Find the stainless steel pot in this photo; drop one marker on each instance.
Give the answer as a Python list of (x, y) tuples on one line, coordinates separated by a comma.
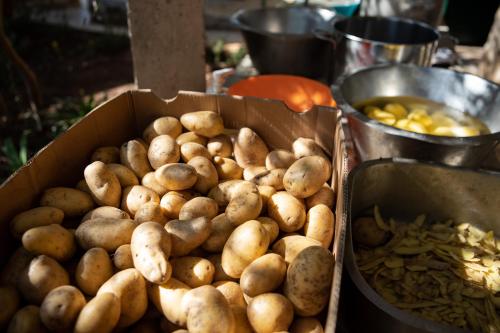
[(404, 189), (365, 41), (466, 92)]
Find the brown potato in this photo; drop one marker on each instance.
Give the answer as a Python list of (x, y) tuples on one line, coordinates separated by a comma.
[(206, 173), (167, 298), (35, 217), (271, 227), (163, 150), (288, 211), (9, 298), (206, 123), (306, 325), (99, 315), (290, 246), (122, 259), (192, 149), (149, 180), (220, 145), (279, 159), (83, 186), (266, 192), (150, 247), (219, 275), (325, 196), (163, 125), (263, 275), (106, 212), (105, 232), (52, 240), (241, 319), (244, 204), (232, 292), (191, 137), (306, 176), (176, 176), (41, 276), (93, 269), (150, 212), (71, 201), (308, 280), (193, 271), (252, 171), (27, 320), (320, 224), (15, 266), (303, 147), (227, 168), (125, 175), (198, 207), (60, 308), (136, 196), (221, 230), (249, 149), (103, 184), (187, 234), (365, 231), (171, 204), (268, 313), (108, 154), (134, 155), (272, 178)]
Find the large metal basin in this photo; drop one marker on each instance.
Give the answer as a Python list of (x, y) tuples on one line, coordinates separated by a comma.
[(465, 92), (405, 189)]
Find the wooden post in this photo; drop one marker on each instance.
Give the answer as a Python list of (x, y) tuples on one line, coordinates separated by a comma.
[(168, 46)]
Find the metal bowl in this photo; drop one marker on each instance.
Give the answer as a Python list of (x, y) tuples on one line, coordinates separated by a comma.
[(282, 40), (405, 189), (466, 92)]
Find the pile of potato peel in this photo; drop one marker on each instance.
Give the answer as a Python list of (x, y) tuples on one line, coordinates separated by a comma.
[(191, 228)]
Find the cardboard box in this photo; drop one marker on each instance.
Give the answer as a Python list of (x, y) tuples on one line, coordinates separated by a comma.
[(61, 163)]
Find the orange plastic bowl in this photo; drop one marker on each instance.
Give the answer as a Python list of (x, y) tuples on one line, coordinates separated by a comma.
[(298, 93)]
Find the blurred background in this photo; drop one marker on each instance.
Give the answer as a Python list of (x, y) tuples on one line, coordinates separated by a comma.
[(61, 58)]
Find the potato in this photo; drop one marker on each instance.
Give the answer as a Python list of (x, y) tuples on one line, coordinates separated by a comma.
[(252, 171), (191, 137), (61, 307), (35, 217), (167, 298), (365, 231), (220, 145), (232, 292), (271, 227), (244, 204), (198, 207), (248, 242), (27, 320), (249, 149), (288, 211), (163, 125), (268, 313), (150, 212), (320, 224), (306, 325), (193, 271), (105, 232), (187, 234), (290, 246), (41, 276), (99, 315), (134, 155), (71, 201), (93, 269), (125, 175), (324, 196), (52, 240), (206, 173), (192, 149), (221, 230), (306, 176), (176, 176), (241, 320), (149, 180), (150, 247), (171, 204), (108, 154), (266, 192), (227, 168), (103, 184), (105, 212), (219, 274), (163, 150), (308, 280), (130, 287), (206, 123), (263, 275), (279, 159), (122, 259), (136, 196), (272, 178), (9, 298), (15, 266), (83, 186), (303, 147), (207, 311)]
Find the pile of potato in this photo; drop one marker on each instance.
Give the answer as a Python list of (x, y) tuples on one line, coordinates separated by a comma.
[(217, 232)]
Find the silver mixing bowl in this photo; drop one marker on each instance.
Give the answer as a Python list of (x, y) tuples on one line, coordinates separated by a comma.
[(465, 92)]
